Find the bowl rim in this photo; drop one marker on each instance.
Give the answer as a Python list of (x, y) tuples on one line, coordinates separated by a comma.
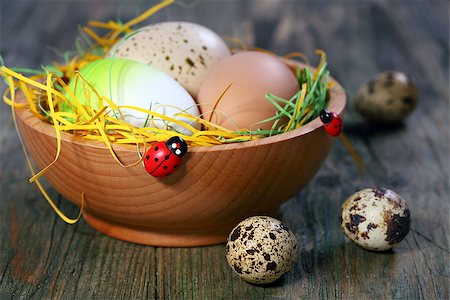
[(336, 104)]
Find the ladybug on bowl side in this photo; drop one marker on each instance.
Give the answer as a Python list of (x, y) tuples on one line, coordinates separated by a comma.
[(163, 158)]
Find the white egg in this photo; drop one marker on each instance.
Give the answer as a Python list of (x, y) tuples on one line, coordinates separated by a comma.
[(130, 83), (185, 51)]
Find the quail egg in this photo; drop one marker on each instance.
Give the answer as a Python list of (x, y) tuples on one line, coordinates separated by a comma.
[(261, 249), (375, 218), (389, 97)]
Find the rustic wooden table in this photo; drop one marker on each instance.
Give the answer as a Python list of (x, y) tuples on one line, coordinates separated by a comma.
[(42, 257)]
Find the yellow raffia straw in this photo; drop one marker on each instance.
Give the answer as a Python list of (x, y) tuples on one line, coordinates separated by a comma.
[(30, 166), (28, 95), (242, 46), (218, 100), (306, 114), (323, 59), (55, 124), (297, 54), (110, 25), (159, 116), (262, 50), (299, 105), (11, 103), (96, 38), (142, 17), (353, 153), (25, 79), (237, 41)]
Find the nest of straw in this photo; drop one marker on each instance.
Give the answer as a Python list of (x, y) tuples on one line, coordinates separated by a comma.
[(47, 90)]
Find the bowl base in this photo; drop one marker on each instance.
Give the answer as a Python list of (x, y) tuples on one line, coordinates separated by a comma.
[(159, 237)]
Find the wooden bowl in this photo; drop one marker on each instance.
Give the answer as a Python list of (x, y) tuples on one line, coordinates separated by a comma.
[(214, 189)]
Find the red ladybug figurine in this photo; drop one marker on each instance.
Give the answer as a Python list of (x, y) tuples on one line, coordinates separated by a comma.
[(331, 122), (163, 158)]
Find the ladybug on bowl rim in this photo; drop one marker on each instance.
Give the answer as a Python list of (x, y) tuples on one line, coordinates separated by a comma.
[(163, 158), (332, 122)]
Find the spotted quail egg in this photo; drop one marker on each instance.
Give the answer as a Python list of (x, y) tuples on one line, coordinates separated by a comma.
[(375, 218), (389, 97), (261, 249)]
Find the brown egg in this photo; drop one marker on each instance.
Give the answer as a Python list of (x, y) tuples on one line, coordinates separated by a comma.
[(252, 75)]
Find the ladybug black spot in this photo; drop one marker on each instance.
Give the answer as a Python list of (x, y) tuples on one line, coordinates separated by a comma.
[(147, 157), (176, 166), (167, 157), (156, 159), (156, 148), (165, 167)]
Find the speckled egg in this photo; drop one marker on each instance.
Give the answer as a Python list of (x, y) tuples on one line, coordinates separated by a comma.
[(261, 249), (375, 218), (389, 97), (185, 51)]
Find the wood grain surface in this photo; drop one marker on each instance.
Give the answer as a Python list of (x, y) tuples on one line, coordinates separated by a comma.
[(43, 258)]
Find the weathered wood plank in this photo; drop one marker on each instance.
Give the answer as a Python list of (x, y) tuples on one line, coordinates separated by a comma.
[(41, 257)]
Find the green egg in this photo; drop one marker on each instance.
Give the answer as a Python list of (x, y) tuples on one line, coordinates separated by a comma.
[(129, 83)]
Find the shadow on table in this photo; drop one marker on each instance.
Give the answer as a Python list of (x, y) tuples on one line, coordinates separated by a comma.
[(365, 129)]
